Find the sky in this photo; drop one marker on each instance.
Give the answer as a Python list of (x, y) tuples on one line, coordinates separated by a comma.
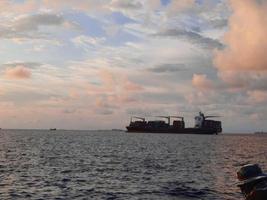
[(91, 64)]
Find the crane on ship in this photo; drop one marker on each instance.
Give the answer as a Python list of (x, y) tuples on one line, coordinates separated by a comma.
[(169, 118), (178, 117), (135, 117)]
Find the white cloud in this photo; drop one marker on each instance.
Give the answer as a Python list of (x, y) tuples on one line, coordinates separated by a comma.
[(87, 42), (29, 26)]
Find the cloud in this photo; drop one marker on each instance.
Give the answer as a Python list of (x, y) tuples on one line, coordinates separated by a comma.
[(69, 111), (117, 83), (146, 111), (7, 6), (28, 26), (126, 4), (257, 96), (87, 42), (192, 37), (174, 7), (201, 82), (18, 72), (25, 64), (236, 80), (33, 22), (153, 4), (246, 39), (167, 68), (259, 116), (118, 66), (132, 87), (112, 90), (160, 97), (81, 5), (243, 63), (218, 23)]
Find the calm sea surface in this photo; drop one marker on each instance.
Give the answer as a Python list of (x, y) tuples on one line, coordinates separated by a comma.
[(59, 164)]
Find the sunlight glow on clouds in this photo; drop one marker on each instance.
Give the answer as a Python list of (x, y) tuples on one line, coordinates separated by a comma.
[(18, 72), (243, 62), (201, 82), (90, 64)]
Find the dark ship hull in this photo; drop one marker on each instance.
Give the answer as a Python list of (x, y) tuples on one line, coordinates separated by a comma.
[(202, 131)]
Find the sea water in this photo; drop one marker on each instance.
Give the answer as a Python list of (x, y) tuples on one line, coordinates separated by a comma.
[(40, 164)]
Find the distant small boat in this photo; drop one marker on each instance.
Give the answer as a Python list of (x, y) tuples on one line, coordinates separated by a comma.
[(52, 129)]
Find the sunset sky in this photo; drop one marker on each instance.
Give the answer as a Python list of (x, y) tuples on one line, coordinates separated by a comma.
[(91, 64)]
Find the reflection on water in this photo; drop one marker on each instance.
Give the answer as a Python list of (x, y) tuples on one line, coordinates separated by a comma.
[(115, 165)]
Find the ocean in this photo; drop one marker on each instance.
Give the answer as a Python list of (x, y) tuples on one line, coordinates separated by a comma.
[(42, 164)]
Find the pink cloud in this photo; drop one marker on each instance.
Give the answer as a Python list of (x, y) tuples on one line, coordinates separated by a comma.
[(116, 81), (74, 94), (175, 7), (201, 82), (18, 72), (130, 86), (25, 7), (246, 39), (115, 89), (153, 4), (242, 65), (257, 96), (108, 79)]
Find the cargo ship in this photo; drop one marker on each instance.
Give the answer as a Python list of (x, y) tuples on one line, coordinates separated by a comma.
[(203, 125)]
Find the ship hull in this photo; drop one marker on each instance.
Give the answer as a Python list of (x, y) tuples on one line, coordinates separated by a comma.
[(201, 131)]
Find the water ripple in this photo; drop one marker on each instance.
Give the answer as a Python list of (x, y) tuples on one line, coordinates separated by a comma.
[(37, 164)]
